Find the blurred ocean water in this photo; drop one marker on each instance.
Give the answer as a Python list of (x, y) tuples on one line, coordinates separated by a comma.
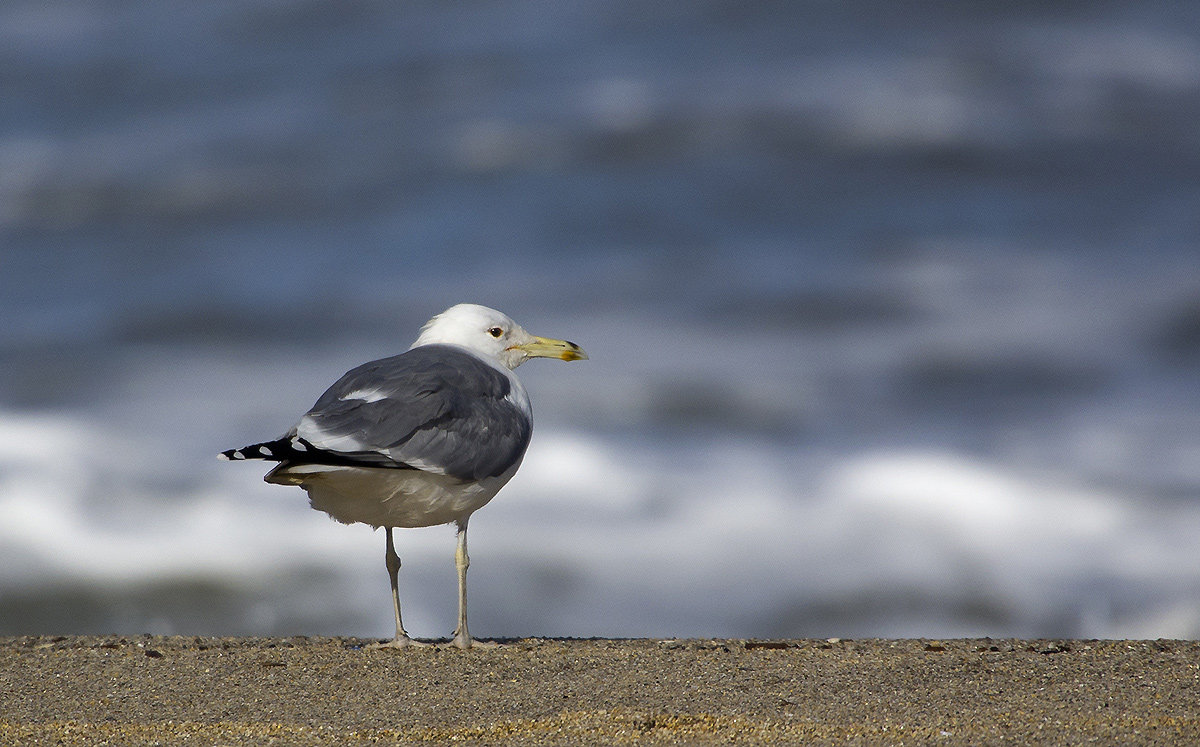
[(893, 310)]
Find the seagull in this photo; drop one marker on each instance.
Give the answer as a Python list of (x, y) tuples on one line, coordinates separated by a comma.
[(419, 439)]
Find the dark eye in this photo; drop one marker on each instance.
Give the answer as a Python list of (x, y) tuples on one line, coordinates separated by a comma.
[(495, 332)]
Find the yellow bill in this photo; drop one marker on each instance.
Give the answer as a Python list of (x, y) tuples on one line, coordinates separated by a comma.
[(545, 347)]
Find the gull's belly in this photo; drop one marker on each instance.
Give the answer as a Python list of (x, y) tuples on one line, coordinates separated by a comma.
[(385, 497)]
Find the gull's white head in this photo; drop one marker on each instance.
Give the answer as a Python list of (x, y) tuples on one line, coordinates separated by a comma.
[(493, 336)]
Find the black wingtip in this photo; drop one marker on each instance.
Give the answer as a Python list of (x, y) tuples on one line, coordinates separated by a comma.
[(296, 450), (273, 450)]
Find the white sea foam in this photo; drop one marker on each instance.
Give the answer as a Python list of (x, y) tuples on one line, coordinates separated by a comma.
[(596, 537)]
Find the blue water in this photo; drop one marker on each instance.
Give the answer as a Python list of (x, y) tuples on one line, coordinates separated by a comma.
[(893, 310)]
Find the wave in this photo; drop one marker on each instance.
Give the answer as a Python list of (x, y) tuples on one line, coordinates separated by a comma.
[(596, 537)]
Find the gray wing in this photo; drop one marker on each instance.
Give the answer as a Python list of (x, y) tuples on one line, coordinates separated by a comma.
[(435, 408)]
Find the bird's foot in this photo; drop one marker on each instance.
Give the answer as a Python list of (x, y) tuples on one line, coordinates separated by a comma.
[(399, 642), (466, 641)]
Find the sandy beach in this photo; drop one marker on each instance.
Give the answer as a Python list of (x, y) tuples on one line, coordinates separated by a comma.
[(329, 691)]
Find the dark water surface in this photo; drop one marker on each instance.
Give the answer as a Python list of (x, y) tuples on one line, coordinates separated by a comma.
[(893, 310)]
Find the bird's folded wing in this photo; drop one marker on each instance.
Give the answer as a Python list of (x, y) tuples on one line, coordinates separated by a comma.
[(434, 408)]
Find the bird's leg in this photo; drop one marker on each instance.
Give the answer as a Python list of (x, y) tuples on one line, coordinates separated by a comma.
[(393, 565), (462, 637)]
